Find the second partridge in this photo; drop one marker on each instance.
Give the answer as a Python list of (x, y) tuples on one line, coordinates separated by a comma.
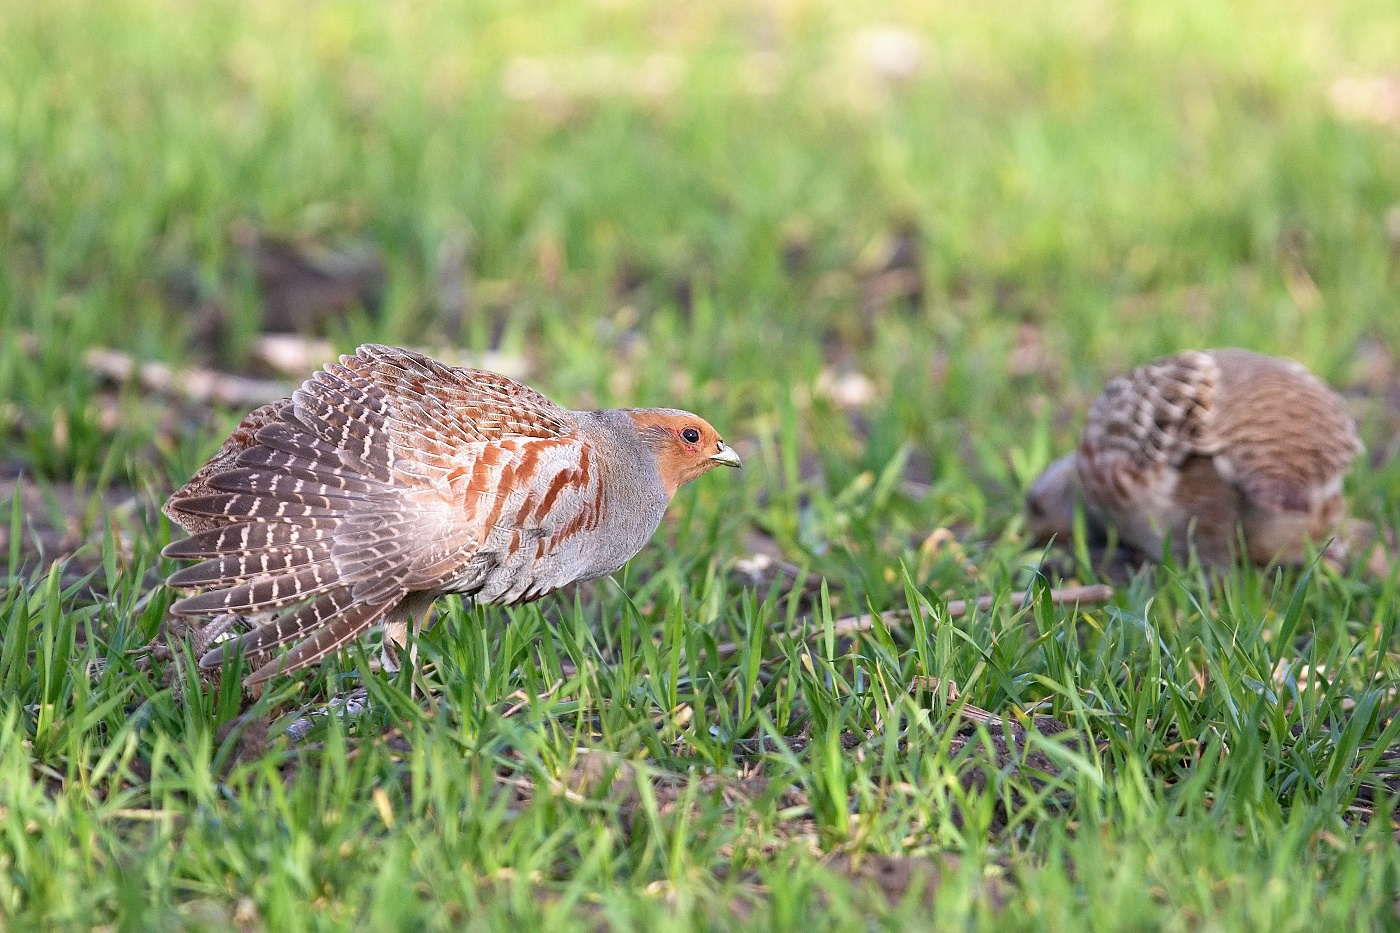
[(1207, 447)]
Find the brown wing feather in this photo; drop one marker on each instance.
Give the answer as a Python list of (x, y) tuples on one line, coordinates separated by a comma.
[(328, 636), (1146, 423), (238, 441), (337, 612), (454, 405)]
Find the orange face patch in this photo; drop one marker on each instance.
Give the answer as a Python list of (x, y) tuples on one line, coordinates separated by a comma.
[(685, 445)]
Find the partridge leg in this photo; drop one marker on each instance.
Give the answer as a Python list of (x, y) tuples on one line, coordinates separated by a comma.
[(202, 637), (208, 635), (414, 611)]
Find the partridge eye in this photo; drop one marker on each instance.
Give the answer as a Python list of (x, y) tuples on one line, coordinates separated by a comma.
[(690, 436)]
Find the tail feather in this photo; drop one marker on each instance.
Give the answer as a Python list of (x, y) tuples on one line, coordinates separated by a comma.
[(264, 593), (248, 537), (326, 641), (282, 629), (241, 506), (246, 566), (288, 485), (332, 625)]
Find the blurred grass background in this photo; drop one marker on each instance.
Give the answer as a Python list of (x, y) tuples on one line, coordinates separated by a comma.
[(658, 202), (867, 241)]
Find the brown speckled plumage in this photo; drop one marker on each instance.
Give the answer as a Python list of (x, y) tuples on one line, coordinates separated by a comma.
[(390, 479), (1203, 446)]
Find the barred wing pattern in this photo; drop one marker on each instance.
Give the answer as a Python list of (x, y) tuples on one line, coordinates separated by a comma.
[(385, 475), (1145, 424), (225, 459)]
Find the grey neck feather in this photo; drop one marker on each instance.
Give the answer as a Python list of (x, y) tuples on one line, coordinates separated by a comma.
[(634, 498)]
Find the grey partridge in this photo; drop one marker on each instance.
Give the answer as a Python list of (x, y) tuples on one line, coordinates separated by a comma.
[(390, 479), (1207, 447)]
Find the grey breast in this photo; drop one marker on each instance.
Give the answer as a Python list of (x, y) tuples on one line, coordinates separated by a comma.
[(633, 497)]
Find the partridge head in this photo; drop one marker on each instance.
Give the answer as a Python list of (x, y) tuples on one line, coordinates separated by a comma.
[(1207, 448), (389, 479)]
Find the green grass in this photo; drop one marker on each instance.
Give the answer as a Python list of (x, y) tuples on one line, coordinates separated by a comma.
[(697, 205)]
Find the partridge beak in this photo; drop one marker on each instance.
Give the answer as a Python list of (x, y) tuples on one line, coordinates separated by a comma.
[(726, 456)]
